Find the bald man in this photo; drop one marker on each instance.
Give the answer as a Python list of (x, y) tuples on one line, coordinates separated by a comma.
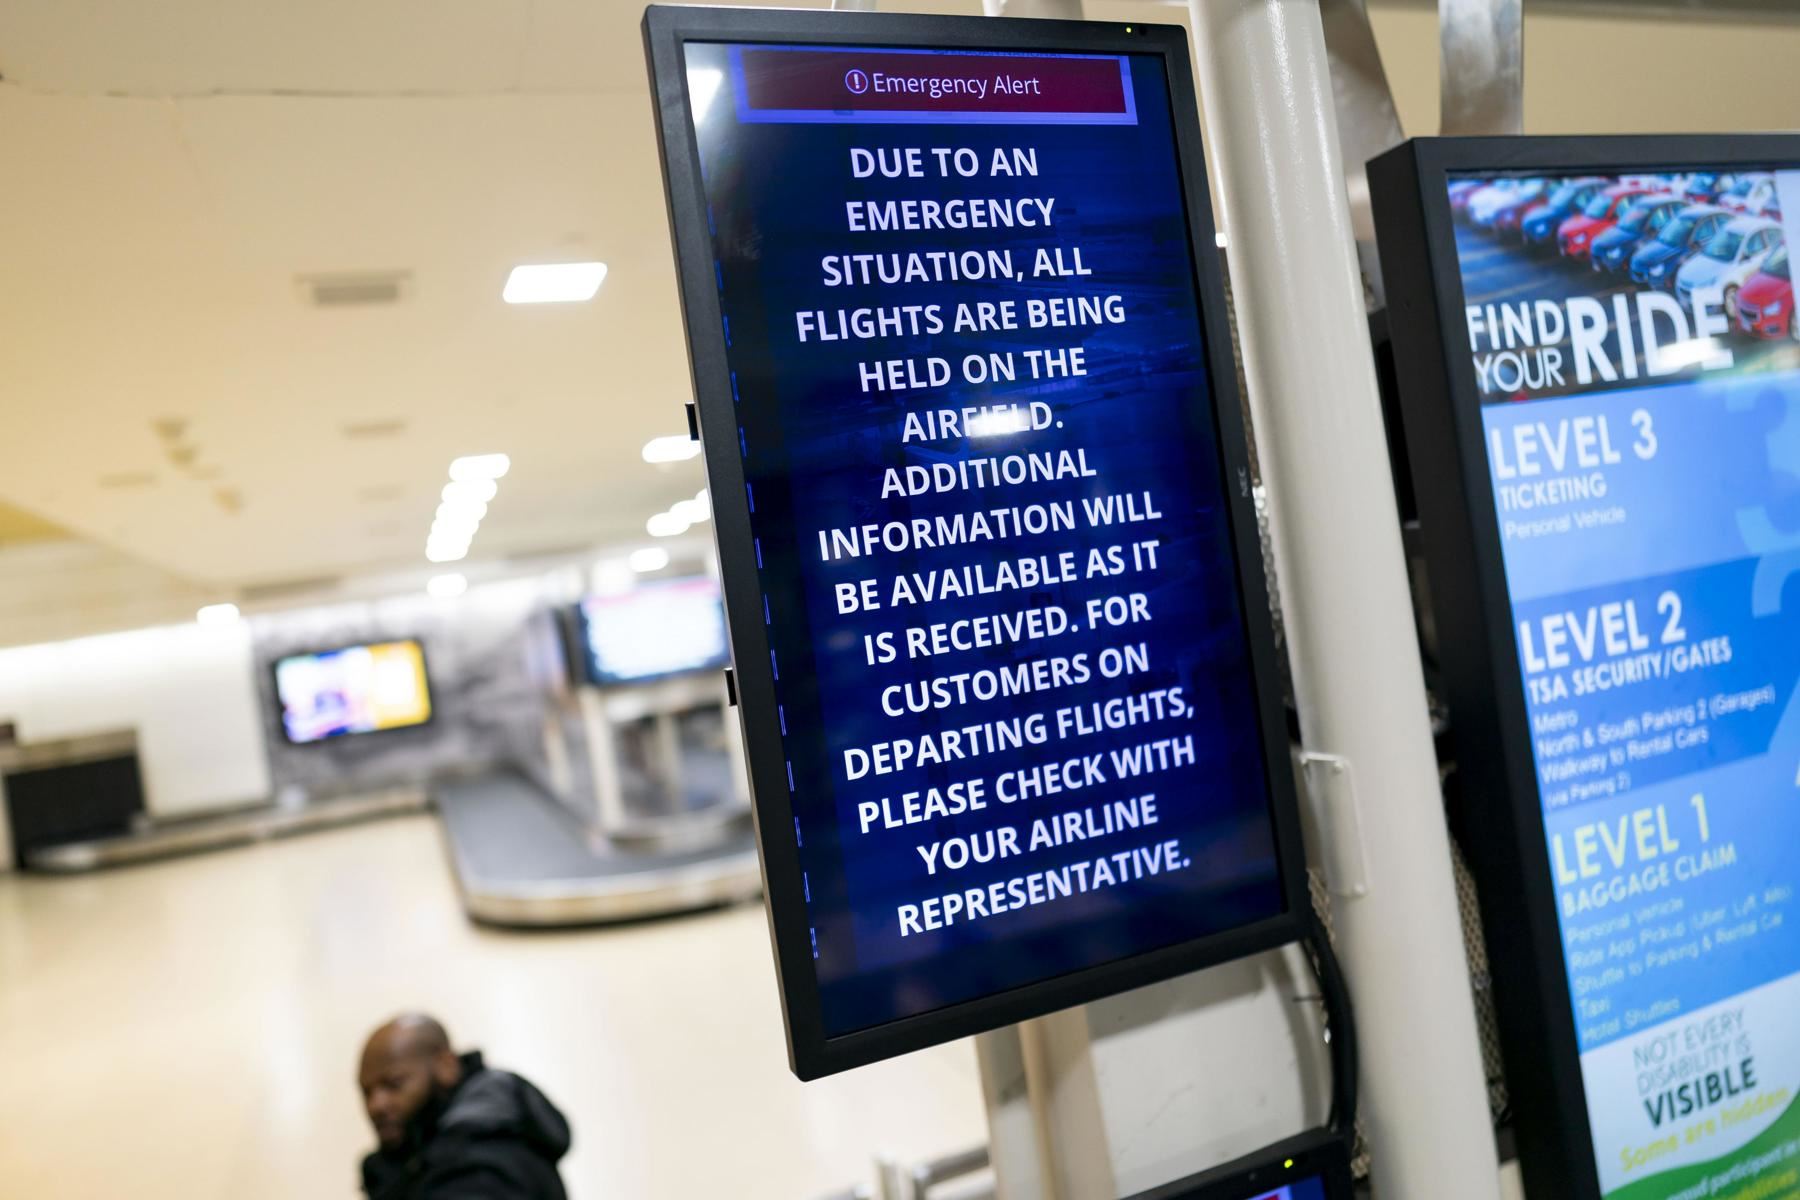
[(450, 1128)]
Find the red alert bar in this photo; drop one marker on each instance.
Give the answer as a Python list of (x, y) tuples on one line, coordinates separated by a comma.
[(817, 85)]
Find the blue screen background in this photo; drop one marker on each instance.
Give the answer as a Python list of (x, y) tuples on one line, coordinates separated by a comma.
[(814, 447)]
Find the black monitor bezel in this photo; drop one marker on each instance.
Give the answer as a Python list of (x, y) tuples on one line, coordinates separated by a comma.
[(431, 715), (1321, 1154), (811, 1053), (1496, 778)]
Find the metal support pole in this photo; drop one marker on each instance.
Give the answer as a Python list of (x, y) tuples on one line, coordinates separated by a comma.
[(1367, 122), (1481, 66), (1061, 10), (1336, 532)]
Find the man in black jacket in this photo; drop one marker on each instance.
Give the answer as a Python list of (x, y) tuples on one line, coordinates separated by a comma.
[(449, 1127)]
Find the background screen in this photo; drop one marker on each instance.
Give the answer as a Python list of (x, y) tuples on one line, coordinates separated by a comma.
[(359, 689), (996, 570), (1305, 1189), (1633, 345), (655, 630)]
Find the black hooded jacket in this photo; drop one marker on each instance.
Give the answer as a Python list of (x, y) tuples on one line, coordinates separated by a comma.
[(495, 1137)]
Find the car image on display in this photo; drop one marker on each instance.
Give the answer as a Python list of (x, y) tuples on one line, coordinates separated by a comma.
[(1703, 186), (1647, 217), (1575, 237), (1731, 256), (1752, 195), (1624, 233), (1766, 301), (1460, 191), (1658, 259), (1500, 212), (1538, 224)]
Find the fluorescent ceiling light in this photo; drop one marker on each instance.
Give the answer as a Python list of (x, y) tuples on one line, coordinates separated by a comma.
[(479, 466), (217, 614), (444, 531), (703, 85), (691, 511), (451, 535), (651, 558), (445, 534), (677, 447), (439, 552), (666, 524), (446, 587), (553, 283), (1220, 240), (461, 512), (474, 491)]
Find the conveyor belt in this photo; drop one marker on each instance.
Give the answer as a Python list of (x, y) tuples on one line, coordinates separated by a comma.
[(523, 860), (217, 831)]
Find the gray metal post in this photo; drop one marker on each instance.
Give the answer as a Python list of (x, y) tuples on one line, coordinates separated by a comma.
[(1481, 66)]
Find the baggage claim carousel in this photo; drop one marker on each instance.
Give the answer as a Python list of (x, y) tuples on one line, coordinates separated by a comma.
[(521, 859)]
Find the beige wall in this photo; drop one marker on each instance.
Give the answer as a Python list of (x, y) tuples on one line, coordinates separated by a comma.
[(1608, 74)]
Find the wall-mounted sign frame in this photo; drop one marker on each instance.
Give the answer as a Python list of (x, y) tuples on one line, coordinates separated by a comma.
[(793, 143), (1600, 382)]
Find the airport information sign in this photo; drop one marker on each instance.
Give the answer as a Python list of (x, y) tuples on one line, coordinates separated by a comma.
[(994, 593), (1628, 339)]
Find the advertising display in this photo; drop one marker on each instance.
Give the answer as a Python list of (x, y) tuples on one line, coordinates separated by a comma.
[(356, 689), (1625, 350), (994, 591), (654, 630)]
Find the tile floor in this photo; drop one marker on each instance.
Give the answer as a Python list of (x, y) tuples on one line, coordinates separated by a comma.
[(190, 1029)]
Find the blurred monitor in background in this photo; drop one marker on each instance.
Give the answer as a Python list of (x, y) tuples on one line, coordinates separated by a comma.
[(652, 631), (356, 689), (450, 1127)]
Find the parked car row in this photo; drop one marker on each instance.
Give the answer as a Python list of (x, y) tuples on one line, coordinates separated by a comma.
[(1676, 233)]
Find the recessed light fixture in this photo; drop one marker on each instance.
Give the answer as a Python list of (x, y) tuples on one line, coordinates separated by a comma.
[(696, 510), (674, 448), (217, 614), (457, 514), (1220, 240), (447, 587), (553, 283), (479, 466), (651, 558), (474, 491), (681, 515), (465, 503)]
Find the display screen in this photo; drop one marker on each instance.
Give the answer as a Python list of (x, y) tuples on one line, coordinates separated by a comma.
[(654, 630), (994, 550), (359, 689), (1305, 1189), (1633, 344)]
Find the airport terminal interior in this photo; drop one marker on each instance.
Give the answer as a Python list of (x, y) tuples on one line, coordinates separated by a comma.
[(384, 595)]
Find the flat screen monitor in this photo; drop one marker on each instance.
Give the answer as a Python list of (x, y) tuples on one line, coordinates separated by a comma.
[(1311, 1166), (653, 631), (992, 574), (355, 689), (1600, 372)]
